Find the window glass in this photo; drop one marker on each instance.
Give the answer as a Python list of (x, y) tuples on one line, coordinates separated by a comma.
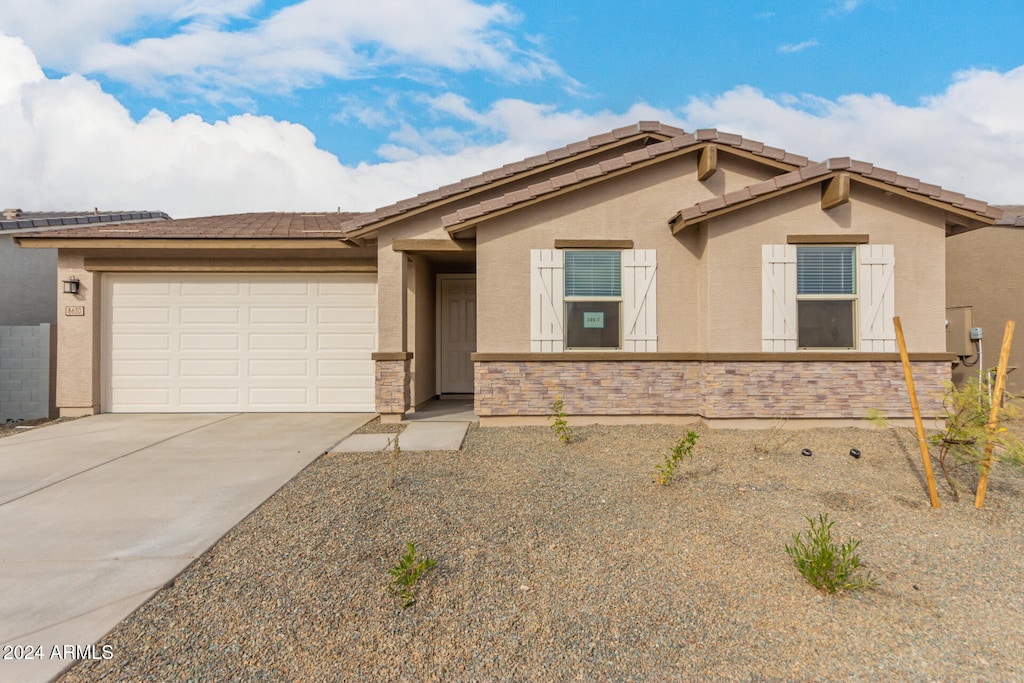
[(825, 270), (593, 274), (825, 323), (592, 324)]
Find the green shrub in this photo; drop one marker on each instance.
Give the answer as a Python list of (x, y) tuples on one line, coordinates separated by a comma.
[(406, 574), (561, 427), (961, 443), (828, 566), (683, 449)]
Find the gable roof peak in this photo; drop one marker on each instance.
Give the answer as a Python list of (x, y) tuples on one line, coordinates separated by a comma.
[(593, 143)]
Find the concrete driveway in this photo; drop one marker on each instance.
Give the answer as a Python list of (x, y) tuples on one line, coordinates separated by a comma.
[(98, 514)]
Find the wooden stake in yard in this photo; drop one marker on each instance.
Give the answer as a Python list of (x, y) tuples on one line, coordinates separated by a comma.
[(925, 456), (993, 415)]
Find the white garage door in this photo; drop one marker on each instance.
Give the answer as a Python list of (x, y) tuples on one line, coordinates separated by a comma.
[(227, 342)]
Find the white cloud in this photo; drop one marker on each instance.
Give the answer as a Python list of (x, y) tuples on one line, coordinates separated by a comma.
[(296, 47), (967, 139), (797, 47), (69, 145)]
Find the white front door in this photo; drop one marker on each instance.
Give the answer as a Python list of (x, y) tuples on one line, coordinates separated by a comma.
[(457, 294)]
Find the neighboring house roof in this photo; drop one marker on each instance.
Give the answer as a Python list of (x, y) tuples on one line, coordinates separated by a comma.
[(954, 202), (1013, 216), (676, 146), (238, 226), (15, 219)]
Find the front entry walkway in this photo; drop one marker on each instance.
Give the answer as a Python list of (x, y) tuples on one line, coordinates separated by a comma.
[(100, 513)]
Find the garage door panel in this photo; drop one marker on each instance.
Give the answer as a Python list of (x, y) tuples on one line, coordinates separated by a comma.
[(239, 342), (146, 368), (265, 315), (346, 316), (142, 342), (129, 315), (340, 342), (264, 288), (146, 396), (208, 287), (278, 342), (350, 289), (208, 315), (278, 368), (209, 398), (209, 342), (208, 368)]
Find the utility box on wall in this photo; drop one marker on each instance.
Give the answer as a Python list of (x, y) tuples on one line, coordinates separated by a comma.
[(959, 321)]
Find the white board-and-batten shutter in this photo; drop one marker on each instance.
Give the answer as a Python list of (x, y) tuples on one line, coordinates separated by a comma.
[(547, 285), (876, 266), (875, 291), (640, 300), (639, 296), (778, 297)]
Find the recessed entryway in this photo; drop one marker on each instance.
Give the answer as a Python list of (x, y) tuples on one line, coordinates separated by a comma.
[(456, 296)]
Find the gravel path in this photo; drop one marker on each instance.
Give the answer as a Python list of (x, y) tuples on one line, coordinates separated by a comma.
[(566, 562)]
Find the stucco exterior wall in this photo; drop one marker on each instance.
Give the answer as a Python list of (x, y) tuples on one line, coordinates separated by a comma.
[(636, 206), (733, 261), (983, 271)]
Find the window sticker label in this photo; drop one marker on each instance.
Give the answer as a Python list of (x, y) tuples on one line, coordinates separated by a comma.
[(593, 320)]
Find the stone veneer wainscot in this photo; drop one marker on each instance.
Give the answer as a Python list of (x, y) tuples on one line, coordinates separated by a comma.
[(708, 388)]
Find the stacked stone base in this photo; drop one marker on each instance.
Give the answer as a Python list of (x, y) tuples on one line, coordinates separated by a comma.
[(714, 390), (394, 380)]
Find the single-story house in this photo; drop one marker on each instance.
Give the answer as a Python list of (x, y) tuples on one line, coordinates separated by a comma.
[(646, 274), (985, 288), (28, 307)]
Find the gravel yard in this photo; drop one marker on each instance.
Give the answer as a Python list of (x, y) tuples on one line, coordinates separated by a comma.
[(566, 562)]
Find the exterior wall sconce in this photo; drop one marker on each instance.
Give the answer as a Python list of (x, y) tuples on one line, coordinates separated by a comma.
[(71, 285)]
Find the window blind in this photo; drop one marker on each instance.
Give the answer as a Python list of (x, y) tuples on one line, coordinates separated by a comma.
[(825, 270), (593, 274)]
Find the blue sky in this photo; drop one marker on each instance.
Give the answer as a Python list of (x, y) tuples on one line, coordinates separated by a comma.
[(201, 107)]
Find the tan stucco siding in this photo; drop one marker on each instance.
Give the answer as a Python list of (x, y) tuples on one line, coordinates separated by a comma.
[(983, 271), (635, 206), (78, 340), (733, 261)]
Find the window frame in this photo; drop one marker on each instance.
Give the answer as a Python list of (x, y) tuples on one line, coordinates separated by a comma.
[(854, 298), (567, 300)]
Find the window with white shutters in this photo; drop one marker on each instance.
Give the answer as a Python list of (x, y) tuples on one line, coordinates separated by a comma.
[(828, 297), (593, 299)]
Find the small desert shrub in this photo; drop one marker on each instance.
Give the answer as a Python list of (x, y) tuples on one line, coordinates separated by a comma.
[(961, 443), (683, 450), (773, 440), (406, 574), (826, 565), (560, 426)]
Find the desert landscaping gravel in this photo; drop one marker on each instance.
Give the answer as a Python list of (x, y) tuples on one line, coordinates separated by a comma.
[(568, 563)]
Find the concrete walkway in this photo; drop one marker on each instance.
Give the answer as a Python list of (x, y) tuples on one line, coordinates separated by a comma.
[(417, 436), (100, 513)]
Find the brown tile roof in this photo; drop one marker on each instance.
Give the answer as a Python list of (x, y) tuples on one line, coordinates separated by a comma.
[(237, 226), (508, 170), (1013, 215), (675, 144), (829, 167)]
